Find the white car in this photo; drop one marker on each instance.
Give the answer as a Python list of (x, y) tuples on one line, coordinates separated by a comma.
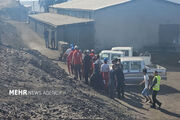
[(110, 55)]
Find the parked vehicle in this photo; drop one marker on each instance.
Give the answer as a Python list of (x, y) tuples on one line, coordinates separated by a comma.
[(133, 68), (62, 47), (128, 51), (111, 55)]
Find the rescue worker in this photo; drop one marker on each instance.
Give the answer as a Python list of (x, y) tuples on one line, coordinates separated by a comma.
[(155, 87), (87, 65), (98, 62), (67, 52), (145, 91), (92, 54), (120, 81), (96, 80), (77, 61), (105, 73), (46, 38), (119, 63), (112, 82), (69, 61)]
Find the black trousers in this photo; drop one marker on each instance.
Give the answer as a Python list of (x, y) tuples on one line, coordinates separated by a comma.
[(154, 94), (86, 74), (120, 90)]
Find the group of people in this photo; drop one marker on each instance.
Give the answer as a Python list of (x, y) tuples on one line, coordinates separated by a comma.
[(52, 39), (154, 86), (90, 67)]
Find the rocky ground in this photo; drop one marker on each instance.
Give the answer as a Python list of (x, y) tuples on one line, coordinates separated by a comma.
[(60, 97)]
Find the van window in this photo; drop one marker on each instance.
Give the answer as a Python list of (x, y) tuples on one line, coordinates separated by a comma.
[(126, 52), (105, 55), (135, 65), (125, 65), (114, 56)]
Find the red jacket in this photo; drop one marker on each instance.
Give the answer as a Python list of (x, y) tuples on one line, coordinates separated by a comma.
[(77, 57), (69, 57)]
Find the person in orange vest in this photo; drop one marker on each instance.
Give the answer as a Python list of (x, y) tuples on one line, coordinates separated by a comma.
[(69, 61), (105, 73), (77, 61)]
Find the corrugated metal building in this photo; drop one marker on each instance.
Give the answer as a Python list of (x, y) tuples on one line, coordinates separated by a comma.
[(64, 28), (136, 23)]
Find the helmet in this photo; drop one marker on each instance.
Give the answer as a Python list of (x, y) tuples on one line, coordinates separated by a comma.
[(72, 48), (87, 51), (105, 59), (75, 47), (92, 50)]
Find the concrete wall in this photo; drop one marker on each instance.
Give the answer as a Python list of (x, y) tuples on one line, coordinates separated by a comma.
[(134, 23)]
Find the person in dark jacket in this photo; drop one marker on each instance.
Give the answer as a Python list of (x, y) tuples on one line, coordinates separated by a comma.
[(120, 82), (87, 64), (112, 83)]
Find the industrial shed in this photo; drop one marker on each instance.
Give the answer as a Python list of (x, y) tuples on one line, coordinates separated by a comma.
[(136, 23), (64, 28)]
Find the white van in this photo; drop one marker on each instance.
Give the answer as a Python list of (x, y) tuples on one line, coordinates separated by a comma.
[(128, 51), (110, 55)]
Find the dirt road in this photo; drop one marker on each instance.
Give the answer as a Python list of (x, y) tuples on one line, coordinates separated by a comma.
[(169, 94)]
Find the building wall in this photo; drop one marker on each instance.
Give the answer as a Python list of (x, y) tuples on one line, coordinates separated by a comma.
[(133, 23), (73, 12), (81, 34)]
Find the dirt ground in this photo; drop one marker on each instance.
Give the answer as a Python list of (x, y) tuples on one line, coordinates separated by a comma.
[(169, 94)]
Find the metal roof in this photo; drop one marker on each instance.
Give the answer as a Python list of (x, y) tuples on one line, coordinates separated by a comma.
[(110, 51), (89, 4), (174, 1), (57, 19), (121, 48)]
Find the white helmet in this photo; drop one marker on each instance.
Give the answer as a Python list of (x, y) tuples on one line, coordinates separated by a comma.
[(75, 47)]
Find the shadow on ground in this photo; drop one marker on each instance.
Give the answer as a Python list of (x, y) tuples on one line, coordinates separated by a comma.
[(165, 89), (169, 113)]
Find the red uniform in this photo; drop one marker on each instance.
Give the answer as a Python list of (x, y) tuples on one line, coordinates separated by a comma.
[(69, 61), (77, 57), (77, 61), (92, 57)]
